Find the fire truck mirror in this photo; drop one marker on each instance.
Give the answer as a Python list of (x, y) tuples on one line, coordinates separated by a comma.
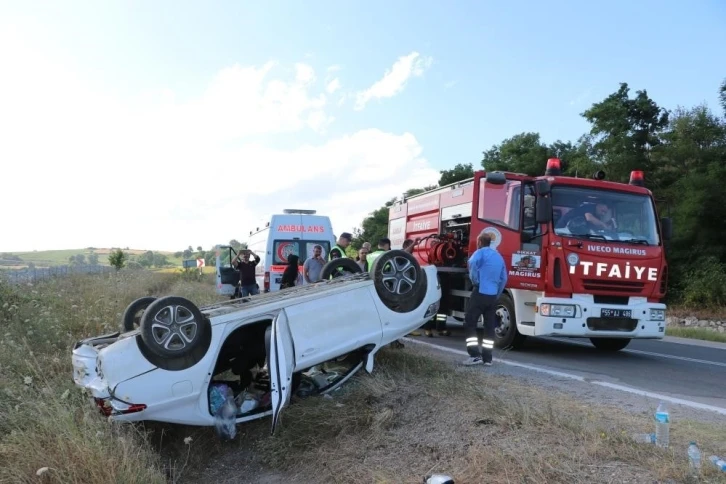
[(496, 178), (666, 225), (543, 212), (542, 187)]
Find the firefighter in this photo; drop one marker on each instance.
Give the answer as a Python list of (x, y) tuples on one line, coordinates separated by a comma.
[(338, 250), (488, 274)]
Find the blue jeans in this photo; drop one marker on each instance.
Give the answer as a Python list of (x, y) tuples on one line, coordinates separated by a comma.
[(251, 289)]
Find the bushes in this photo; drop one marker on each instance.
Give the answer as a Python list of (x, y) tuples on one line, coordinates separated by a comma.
[(704, 285)]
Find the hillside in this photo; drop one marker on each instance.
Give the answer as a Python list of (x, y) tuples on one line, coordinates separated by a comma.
[(51, 258)]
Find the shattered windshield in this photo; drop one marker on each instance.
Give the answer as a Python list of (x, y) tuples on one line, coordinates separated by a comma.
[(604, 215)]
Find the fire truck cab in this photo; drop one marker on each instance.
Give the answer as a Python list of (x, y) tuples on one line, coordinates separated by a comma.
[(585, 257)]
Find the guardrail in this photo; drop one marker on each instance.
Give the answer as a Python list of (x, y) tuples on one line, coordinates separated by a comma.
[(22, 276)]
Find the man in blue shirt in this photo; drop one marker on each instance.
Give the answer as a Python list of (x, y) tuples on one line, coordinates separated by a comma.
[(488, 274)]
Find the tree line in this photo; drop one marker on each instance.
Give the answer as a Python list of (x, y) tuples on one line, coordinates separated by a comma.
[(683, 154)]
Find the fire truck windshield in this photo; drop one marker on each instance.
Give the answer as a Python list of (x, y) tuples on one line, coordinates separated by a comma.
[(604, 215)]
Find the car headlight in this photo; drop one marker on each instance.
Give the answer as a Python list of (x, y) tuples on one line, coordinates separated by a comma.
[(432, 309), (557, 310), (657, 314)]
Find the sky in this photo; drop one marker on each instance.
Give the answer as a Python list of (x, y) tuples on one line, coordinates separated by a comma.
[(158, 125)]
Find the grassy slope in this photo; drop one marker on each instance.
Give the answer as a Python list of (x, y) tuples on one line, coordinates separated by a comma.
[(48, 258), (417, 414)]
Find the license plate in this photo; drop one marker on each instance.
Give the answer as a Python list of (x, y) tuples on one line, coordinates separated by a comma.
[(616, 313)]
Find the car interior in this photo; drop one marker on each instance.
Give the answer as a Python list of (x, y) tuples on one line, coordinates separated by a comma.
[(241, 371)]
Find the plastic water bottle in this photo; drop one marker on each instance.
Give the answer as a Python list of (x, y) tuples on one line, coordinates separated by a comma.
[(662, 422), (718, 462), (694, 458), (224, 419), (644, 438)]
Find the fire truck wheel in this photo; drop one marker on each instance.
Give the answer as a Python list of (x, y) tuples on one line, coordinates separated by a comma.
[(173, 327), (132, 316), (398, 279), (339, 267), (506, 335), (610, 344)]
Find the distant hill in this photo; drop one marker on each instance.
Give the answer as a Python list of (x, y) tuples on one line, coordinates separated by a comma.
[(51, 258)]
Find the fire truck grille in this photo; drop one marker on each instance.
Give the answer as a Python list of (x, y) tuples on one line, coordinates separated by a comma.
[(621, 286)]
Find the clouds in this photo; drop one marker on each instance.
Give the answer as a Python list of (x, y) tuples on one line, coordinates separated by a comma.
[(85, 166), (395, 79)]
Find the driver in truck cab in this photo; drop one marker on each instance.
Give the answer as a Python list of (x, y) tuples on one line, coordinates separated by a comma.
[(598, 215)]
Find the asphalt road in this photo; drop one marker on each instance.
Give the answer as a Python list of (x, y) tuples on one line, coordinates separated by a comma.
[(686, 371)]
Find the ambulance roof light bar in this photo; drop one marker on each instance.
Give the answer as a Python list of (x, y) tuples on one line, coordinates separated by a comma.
[(299, 212), (554, 167)]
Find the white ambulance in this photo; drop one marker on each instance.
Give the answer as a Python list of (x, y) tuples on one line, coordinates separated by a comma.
[(291, 232)]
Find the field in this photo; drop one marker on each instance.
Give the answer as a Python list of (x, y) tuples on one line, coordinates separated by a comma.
[(50, 258), (417, 414)]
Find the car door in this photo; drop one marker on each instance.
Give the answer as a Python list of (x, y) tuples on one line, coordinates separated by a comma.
[(281, 366)]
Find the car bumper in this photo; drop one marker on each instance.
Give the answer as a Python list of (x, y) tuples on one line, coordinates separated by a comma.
[(644, 320)]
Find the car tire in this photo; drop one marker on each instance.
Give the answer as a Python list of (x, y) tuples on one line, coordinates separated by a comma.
[(399, 280), (610, 344), (134, 311), (348, 266), (173, 327), (506, 334)]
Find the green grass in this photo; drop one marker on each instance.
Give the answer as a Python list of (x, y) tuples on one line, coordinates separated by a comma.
[(50, 258), (696, 333)]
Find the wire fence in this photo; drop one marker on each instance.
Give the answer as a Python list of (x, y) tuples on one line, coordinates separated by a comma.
[(22, 276)]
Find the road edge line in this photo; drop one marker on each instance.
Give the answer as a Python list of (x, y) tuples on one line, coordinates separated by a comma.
[(613, 386)]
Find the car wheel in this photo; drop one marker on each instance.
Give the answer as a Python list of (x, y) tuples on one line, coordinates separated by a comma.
[(506, 334), (398, 279), (610, 344), (173, 327), (339, 267), (132, 316)]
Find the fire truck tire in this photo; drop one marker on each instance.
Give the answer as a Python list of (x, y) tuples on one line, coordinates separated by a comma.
[(173, 327), (506, 335), (134, 311), (339, 267), (610, 344), (399, 280)]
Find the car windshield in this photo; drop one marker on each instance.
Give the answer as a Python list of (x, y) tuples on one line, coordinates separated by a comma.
[(604, 215)]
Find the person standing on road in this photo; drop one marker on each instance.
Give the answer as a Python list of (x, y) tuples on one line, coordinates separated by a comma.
[(384, 245), (291, 276), (247, 280), (338, 250), (488, 274), (314, 265)]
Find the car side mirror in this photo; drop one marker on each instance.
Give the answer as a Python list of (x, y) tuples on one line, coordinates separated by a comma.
[(543, 212), (666, 226)]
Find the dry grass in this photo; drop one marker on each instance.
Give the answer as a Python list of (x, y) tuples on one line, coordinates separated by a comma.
[(420, 414), (46, 425), (696, 333)]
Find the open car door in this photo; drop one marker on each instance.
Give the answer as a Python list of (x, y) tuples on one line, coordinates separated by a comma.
[(227, 275), (281, 366)]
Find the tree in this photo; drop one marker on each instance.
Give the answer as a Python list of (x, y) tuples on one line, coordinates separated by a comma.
[(117, 259), (78, 259), (235, 244), (187, 254), (159, 260), (625, 131), (722, 96), (522, 153), (199, 248), (458, 173), (93, 258), (146, 259)]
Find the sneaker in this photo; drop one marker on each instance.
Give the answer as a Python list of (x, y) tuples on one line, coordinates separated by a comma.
[(471, 361), (487, 363)]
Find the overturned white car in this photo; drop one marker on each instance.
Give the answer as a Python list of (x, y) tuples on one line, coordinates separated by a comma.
[(183, 363)]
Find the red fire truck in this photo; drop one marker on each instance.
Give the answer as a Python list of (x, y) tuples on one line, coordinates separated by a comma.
[(585, 257)]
